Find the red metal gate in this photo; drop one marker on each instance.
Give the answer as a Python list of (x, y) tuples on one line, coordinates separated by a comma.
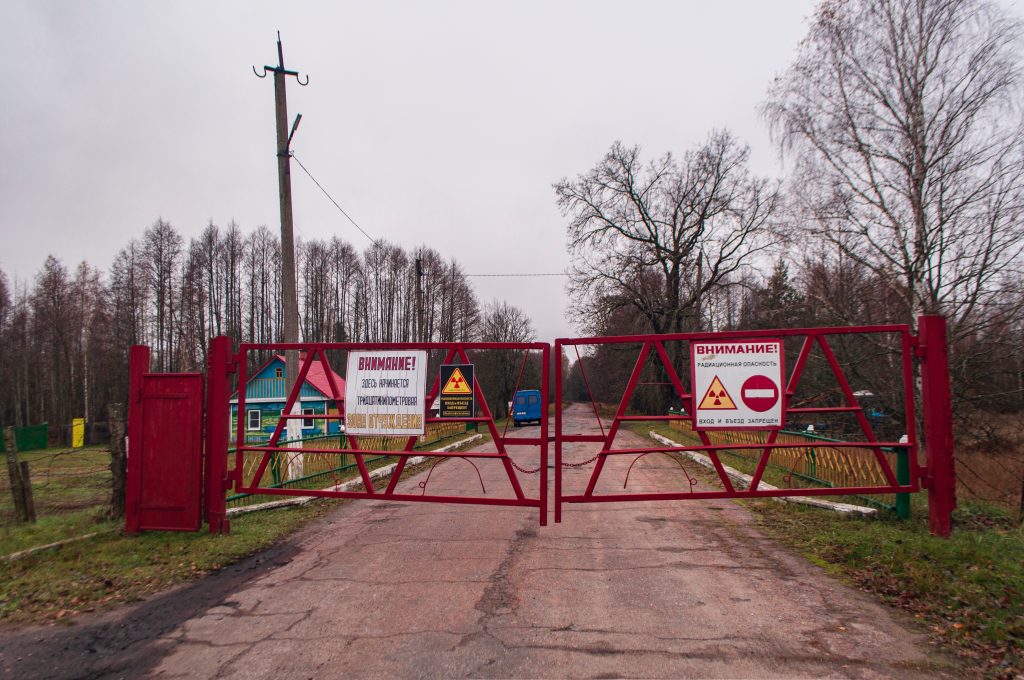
[(928, 346), (251, 461), (165, 412), (166, 417)]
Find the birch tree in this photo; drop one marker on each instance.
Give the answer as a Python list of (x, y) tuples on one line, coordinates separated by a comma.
[(903, 120)]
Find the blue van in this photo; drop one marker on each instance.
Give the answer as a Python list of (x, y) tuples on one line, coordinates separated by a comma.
[(526, 407)]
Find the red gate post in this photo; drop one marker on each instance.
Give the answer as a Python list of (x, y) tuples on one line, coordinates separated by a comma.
[(938, 423), (558, 432), (545, 404), (138, 365), (218, 421)]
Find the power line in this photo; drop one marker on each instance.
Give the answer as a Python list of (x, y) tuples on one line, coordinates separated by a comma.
[(363, 231), (516, 275), (342, 210)]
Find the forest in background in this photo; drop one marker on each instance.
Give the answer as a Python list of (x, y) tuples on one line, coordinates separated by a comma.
[(67, 333)]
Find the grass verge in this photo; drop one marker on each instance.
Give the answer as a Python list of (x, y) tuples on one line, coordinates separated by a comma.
[(109, 569), (967, 591), (70, 488)]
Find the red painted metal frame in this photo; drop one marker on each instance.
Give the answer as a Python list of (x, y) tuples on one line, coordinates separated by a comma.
[(938, 474), (218, 425), (938, 424), (455, 350), (138, 366)]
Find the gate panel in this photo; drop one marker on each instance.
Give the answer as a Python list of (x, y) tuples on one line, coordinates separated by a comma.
[(265, 467), (164, 449), (859, 447)]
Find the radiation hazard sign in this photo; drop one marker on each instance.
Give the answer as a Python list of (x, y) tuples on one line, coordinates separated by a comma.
[(738, 384), (717, 398), (457, 398), (457, 383)]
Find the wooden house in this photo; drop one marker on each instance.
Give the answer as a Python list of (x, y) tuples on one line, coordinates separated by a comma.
[(265, 397)]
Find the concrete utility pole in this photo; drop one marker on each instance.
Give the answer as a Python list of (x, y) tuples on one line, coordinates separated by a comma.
[(289, 301)]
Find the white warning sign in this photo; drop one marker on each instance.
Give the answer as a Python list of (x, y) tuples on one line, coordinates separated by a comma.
[(384, 392), (737, 384)]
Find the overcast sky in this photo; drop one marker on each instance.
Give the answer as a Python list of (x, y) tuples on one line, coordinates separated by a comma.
[(441, 123)]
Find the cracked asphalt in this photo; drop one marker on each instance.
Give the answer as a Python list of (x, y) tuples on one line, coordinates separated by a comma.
[(405, 590)]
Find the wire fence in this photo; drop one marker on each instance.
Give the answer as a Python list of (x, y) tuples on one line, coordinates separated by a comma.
[(69, 483), (816, 464), (308, 469)]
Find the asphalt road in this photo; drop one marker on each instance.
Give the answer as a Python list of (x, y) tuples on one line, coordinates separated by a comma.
[(379, 589)]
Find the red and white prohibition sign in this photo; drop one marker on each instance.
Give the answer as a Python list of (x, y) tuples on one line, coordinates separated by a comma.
[(759, 393)]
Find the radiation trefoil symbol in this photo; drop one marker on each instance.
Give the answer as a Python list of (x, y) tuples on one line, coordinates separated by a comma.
[(717, 398), (457, 384)]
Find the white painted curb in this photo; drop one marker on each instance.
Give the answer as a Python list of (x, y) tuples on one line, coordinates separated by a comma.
[(346, 486), (744, 481)]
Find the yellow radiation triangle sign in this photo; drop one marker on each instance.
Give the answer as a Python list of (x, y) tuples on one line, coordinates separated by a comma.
[(456, 384), (717, 398)]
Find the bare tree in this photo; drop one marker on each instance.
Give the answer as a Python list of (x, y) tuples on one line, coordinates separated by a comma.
[(231, 254), (162, 245), (193, 330), (386, 293), (52, 334), (315, 298), (86, 318), (499, 369), (262, 286), (658, 237), (345, 268), (453, 309), (129, 294), (209, 253), (902, 117)]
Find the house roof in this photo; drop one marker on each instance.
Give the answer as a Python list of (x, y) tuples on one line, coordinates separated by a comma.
[(317, 377)]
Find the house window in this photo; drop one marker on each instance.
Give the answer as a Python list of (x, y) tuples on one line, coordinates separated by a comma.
[(278, 372), (308, 423), (253, 420)]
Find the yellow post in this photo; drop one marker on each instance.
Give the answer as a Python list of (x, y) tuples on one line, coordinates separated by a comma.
[(77, 433)]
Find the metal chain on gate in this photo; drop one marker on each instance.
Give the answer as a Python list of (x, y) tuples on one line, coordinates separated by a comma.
[(538, 468), (521, 469), (586, 462)]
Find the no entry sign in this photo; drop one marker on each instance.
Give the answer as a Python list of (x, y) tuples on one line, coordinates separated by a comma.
[(737, 384)]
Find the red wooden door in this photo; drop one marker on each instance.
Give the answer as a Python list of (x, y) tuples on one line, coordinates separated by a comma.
[(165, 453)]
